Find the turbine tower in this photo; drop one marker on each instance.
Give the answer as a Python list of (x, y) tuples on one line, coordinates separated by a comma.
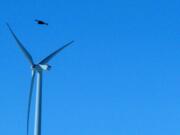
[(36, 68)]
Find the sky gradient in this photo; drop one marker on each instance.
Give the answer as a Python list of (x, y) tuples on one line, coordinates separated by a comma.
[(120, 77)]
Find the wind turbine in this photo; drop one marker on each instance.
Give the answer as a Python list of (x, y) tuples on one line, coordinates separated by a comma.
[(36, 68)]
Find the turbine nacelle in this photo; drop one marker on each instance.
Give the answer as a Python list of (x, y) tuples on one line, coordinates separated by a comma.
[(41, 67)]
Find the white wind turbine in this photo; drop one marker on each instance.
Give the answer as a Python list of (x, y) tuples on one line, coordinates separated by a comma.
[(36, 68)]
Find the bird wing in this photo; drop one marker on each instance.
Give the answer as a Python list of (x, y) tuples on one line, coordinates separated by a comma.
[(49, 57), (20, 45)]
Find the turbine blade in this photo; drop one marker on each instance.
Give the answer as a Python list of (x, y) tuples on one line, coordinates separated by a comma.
[(29, 100), (20, 45), (49, 57)]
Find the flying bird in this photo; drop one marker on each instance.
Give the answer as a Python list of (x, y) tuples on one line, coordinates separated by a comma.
[(41, 22)]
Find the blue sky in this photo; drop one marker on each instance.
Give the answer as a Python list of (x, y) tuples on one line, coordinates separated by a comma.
[(120, 77)]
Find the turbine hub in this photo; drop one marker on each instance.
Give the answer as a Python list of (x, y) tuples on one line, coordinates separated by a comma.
[(40, 67)]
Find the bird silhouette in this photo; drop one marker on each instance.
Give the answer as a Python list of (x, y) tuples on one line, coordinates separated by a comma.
[(41, 22)]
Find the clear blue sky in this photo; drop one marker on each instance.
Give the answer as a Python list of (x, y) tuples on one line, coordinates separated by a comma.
[(120, 77)]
